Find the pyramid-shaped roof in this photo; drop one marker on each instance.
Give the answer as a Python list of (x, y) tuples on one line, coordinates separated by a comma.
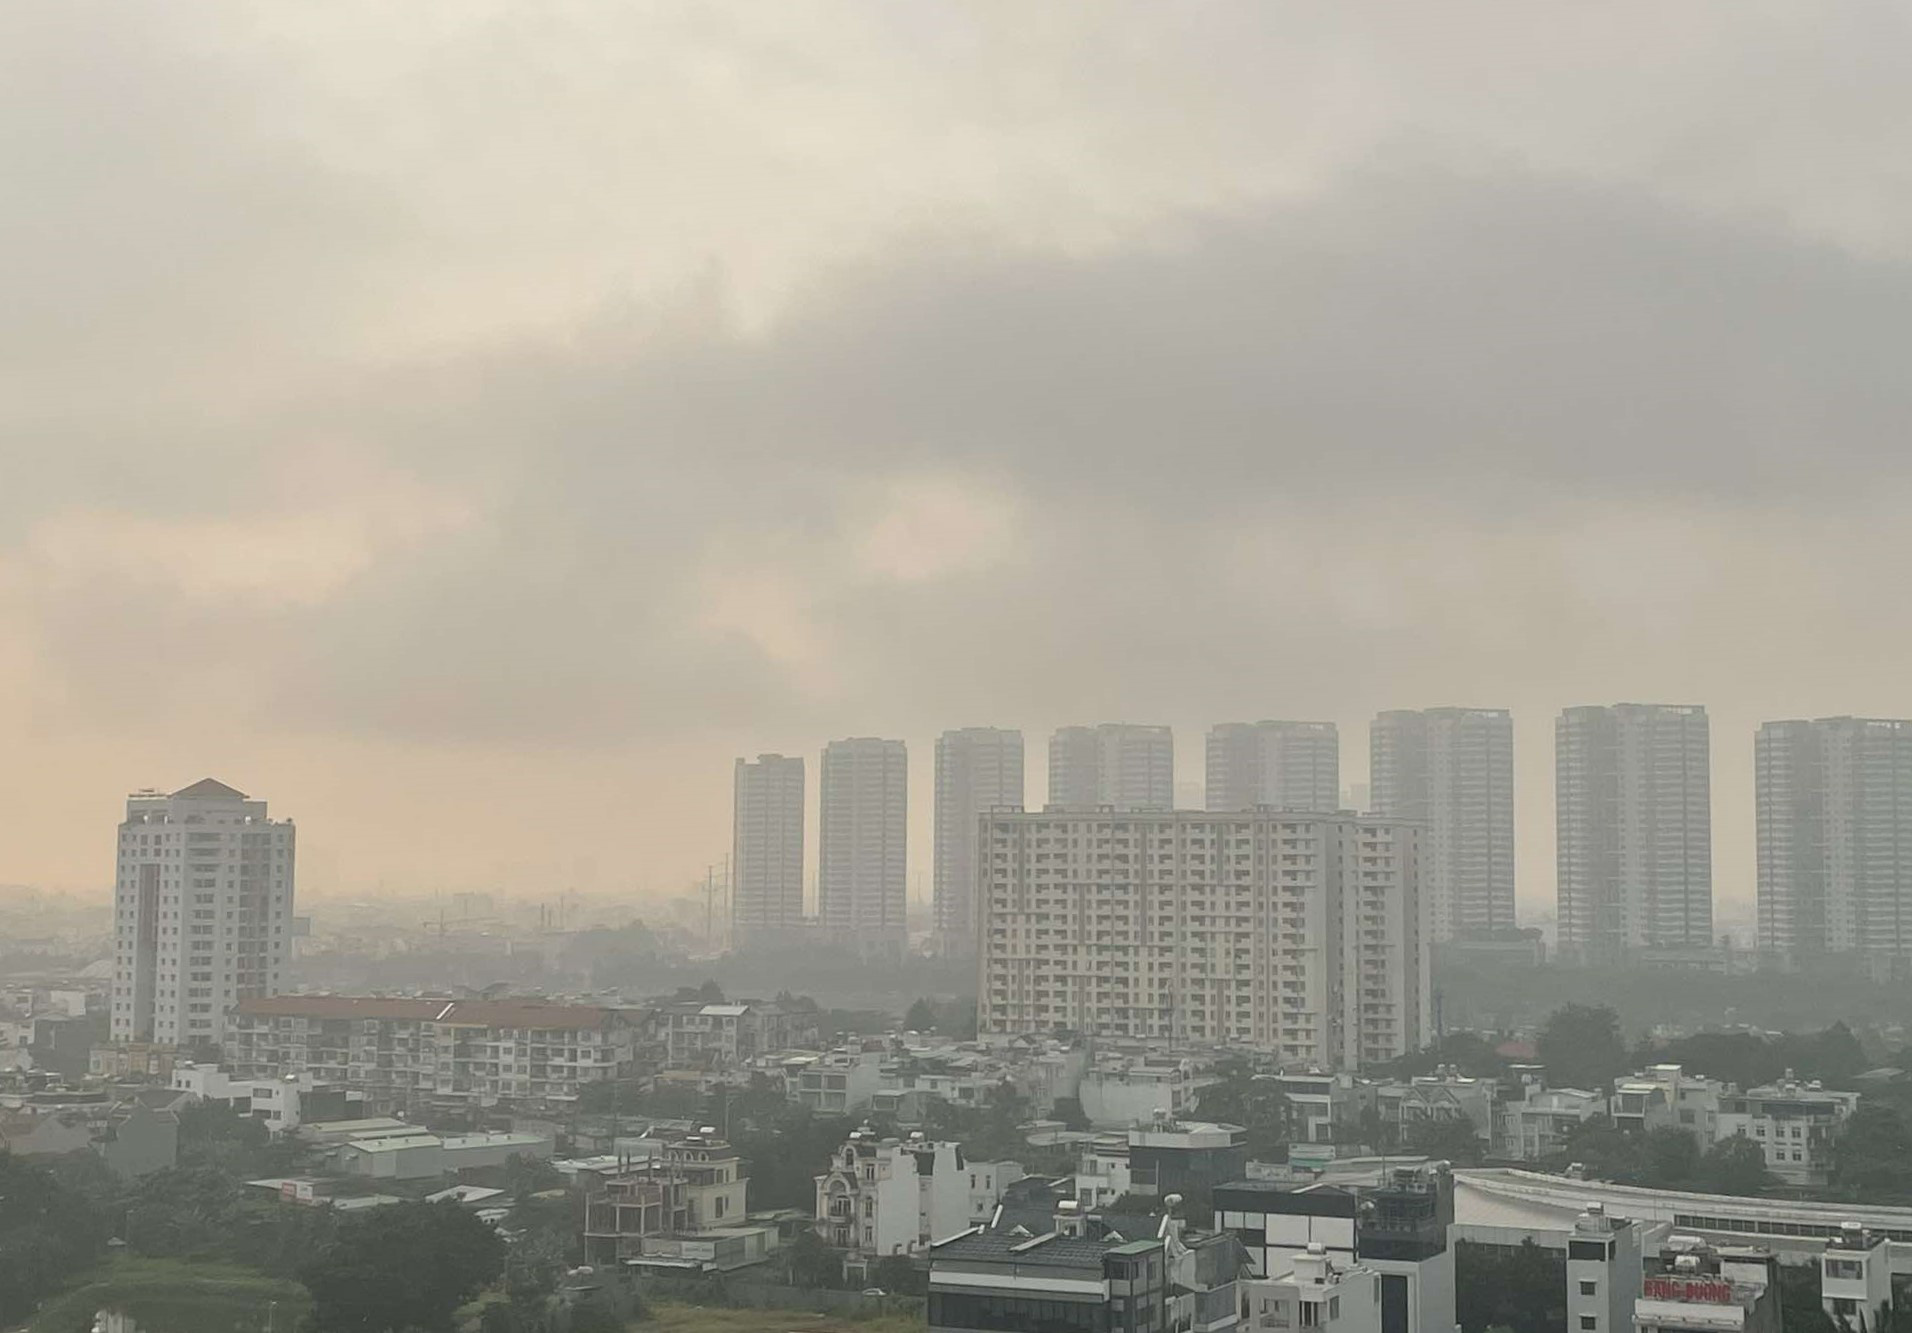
[(211, 789)]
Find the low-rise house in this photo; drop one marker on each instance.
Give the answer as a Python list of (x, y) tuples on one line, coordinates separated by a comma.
[(883, 1197), (1793, 1123), (283, 1103), (1320, 1291), (1323, 1106), (1080, 1272), (1538, 1125), (839, 1082), (1445, 1095), (1125, 1090), (1689, 1286), (689, 1185), (1179, 1157), (1855, 1277), (1666, 1095)]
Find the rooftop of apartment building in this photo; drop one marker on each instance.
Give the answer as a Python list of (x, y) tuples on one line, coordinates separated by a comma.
[(508, 1013)]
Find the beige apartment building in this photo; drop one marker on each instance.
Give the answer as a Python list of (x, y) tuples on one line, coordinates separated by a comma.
[(1296, 934)]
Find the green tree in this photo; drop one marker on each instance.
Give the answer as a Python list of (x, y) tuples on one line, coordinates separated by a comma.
[(1582, 1047), (1733, 1166), (1239, 1096), (1669, 1157), (920, 1018), (812, 1263), (189, 1212), (896, 1274), (1603, 1149), (48, 1232), (1525, 1291), (1872, 1157), (403, 1266), (1453, 1140)]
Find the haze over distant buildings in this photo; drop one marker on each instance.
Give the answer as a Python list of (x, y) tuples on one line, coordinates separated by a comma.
[(747, 380)]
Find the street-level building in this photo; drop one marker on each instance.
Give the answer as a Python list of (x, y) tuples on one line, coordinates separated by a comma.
[(1006, 1281), (1319, 1291), (1690, 1286), (885, 1197), (1793, 1123), (1666, 1096), (1295, 934), (689, 1185), (1603, 1271), (1855, 1276)]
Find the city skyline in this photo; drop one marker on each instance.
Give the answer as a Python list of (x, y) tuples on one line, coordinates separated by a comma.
[(1734, 805)]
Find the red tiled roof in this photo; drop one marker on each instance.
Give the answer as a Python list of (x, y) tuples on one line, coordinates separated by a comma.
[(463, 1013)]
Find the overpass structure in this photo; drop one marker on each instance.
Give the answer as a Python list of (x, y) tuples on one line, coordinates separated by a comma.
[(1497, 1205)]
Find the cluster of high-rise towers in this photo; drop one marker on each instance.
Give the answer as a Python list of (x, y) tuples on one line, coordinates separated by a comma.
[(1633, 818)]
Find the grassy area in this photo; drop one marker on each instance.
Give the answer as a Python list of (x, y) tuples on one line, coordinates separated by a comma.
[(174, 1296), (672, 1317)]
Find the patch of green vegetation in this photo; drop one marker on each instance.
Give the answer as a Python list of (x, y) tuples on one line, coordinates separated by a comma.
[(177, 1296)]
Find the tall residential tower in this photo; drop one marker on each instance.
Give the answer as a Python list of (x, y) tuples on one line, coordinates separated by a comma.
[(1835, 838), (202, 912), (1283, 765), (1451, 770), (766, 853), (862, 836), (1121, 764), (1633, 804), (978, 769)]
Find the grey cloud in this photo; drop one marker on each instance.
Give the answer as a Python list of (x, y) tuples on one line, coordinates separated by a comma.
[(1491, 348)]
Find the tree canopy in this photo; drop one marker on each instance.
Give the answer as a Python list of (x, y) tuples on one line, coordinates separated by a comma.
[(48, 1232), (401, 1267), (1581, 1047)]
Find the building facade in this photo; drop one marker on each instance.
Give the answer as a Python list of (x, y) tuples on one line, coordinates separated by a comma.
[(766, 853), (688, 1185), (1451, 770), (402, 1052), (1120, 764), (1297, 934), (898, 1196), (1835, 839), (978, 769), (202, 912), (863, 843), (1633, 802), (1793, 1123), (722, 1036), (1282, 765)]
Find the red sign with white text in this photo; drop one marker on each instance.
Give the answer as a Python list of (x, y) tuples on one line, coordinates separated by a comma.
[(1691, 1290)]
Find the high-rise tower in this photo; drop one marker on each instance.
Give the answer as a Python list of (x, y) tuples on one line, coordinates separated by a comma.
[(202, 912)]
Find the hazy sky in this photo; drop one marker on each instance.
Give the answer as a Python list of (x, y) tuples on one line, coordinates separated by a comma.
[(470, 425)]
